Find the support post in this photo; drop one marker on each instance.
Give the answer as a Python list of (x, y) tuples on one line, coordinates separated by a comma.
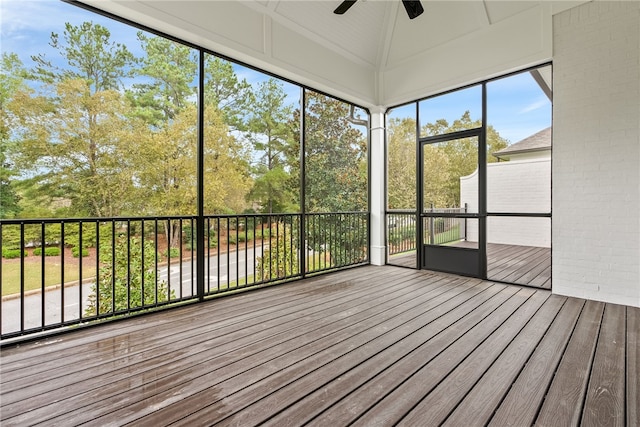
[(378, 200), (200, 232)]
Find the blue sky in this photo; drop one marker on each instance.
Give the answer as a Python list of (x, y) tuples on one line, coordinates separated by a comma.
[(26, 27), (517, 107)]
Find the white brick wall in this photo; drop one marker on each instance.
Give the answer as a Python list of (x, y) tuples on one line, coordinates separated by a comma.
[(515, 186), (596, 152)]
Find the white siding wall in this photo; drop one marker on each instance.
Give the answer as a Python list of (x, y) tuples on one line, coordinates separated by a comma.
[(515, 186), (596, 157)]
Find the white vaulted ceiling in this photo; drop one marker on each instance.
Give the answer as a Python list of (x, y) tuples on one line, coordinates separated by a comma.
[(373, 54)]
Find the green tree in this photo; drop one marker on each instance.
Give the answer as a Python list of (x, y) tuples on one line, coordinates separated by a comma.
[(12, 80), (129, 280), (271, 135), (443, 163), (166, 165), (336, 178), (401, 167), (77, 141), (454, 159), (336, 157), (78, 146), (281, 259), (170, 69), (224, 90), (90, 55)]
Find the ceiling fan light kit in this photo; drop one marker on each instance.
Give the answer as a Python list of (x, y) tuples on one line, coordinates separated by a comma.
[(413, 7)]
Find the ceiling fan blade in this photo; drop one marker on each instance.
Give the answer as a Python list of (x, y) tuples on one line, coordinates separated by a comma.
[(344, 6), (414, 8)]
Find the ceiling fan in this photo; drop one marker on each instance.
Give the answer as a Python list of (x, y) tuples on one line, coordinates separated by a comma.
[(413, 7)]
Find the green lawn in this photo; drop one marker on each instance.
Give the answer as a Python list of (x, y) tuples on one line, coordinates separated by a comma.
[(33, 275)]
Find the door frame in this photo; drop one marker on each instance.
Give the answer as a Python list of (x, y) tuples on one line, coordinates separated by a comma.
[(463, 261)]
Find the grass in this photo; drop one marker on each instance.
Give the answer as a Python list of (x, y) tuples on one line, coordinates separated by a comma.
[(318, 261), (33, 276), (451, 235)]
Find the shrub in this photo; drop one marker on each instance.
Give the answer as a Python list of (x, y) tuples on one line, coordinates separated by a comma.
[(128, 281), (262, 233), (52, 251), (13, 253), (75, 252), (172, 253), (235, 239), (280, 260)]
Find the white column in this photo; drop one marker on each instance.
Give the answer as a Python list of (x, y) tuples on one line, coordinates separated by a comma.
[(378, 201)]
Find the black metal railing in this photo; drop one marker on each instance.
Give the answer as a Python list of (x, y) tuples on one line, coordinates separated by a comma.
[(401, 231), (442, 230), (336, 239), (63, 272), (437, 230)]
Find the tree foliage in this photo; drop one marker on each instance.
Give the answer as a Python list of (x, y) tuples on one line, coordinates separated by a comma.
[(401, 167), (90, 56), (281, 259), (336, 157), (272, 136), (169, 69), (128, 280), (443, 163), (79, 142), (12, 81), (223, 89), (101, 133)]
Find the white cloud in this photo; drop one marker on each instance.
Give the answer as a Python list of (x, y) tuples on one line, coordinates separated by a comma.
[(535, 105), (20, 16)]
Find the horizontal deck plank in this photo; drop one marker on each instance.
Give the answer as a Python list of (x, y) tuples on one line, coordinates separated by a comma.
[(606, 393), (433, 410), (633, 366), (478, 406), (566, 394), (365, 346), (522, 402)]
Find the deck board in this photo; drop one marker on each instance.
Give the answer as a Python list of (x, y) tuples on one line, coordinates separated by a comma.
[(633, 366), (401, 358), (567, 391), (479, 405), (522, 265), (522, 402), (433, 410), (368, 346), (606, 393)]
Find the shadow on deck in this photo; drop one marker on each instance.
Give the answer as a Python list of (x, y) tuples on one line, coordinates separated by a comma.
[(366, 346)]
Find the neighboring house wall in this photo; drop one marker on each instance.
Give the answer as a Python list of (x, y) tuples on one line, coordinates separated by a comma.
[(522, 186), (596, 152)]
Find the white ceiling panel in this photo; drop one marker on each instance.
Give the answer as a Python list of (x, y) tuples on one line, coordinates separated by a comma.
[(440, 23), (229, 19), (373, 54), (356, 32), (499, 10)]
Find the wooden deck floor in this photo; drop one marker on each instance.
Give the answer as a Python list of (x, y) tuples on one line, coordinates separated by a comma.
[(522, 265), (367, 346)]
